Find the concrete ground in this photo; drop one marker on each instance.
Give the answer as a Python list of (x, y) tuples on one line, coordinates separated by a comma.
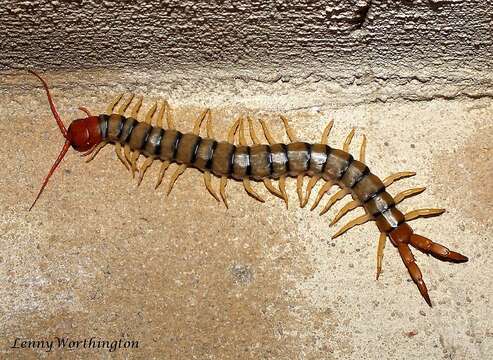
[(100, 257)]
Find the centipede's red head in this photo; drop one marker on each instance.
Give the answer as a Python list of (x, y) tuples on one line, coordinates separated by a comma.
[(82, 134)]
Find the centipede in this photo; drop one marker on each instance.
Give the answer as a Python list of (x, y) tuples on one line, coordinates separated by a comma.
[(236, 160)]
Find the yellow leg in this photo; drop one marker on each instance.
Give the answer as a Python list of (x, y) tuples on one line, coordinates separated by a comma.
[(222, 189), (347, 208), (267, 132), (313, 181), (326, 187), (389, 180), (408, 193), (127, 152), (119, 154), (134, 112), (144, 168), (326, 133), (169, 115), (150, 113), (334, 198), (362, 150), (198, 122), (253, 135), (347, 142), (111, 106), (358, 221), (124, 105), (268, 184), (162, 170), (133, 161), (282, 187), (381, 247), (232, 131), (423, 213), (95, 151), (299, 189), (180, 170), (242, 132), (208, 185), (249, 189), (210, 133), (292, 137)]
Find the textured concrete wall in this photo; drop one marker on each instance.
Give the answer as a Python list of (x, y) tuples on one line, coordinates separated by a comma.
[(426, 47)]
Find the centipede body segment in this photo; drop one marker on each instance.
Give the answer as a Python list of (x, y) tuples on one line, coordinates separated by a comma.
[(235, 160)]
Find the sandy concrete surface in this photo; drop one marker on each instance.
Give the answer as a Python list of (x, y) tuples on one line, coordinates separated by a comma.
[(99, 257)]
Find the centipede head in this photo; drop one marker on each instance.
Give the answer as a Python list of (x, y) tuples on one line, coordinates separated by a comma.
[(82, 134)]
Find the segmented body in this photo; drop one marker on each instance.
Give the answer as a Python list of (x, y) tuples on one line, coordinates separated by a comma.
[(257, 162)]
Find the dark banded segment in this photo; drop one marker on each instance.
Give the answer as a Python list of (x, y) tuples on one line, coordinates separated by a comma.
[(337, 163), (298, 158), (128, 127), (260, 161), (279, 160), (203, 156), (139, 135), (153, 144), (368, 187), (241, 162), (389, 220), (115, 126), (168, 143), (354, 173), (186, 148), (379, 204), (103, 125), (318, 157), (222, 159)]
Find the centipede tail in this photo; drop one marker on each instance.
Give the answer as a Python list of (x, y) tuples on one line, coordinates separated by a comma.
[(235, 159)]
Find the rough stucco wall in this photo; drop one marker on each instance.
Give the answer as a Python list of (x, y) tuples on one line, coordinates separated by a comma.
[(442, 48)]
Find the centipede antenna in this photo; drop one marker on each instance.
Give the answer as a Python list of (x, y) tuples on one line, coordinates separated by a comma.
[(52, 105), (64, 150)]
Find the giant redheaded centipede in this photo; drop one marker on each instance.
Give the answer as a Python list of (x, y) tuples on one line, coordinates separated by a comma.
[(234, 159)]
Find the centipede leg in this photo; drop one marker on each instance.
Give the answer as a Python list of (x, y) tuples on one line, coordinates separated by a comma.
[(389, 180), (347, 142), (169, 115), (323, 190), (313, 181), (180, 170), (124, 104), (198, 122), (423, 213), (210, 133), (345, 209), (381, 247), (408, 193), (362, 150), (249, 189), (94, 151), (358, 221), (334, 198), (282, 187), (222, 189), (326, 133), (267, 133), (253, 135), (268, 184), (111, 106), (412, 267), (134, 112), (162, 170), (292, 137), (128, 153), (143, 168), (85, 110), (150, 113), (299, 188), (119, 154), (208, 185), (133, 161)]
